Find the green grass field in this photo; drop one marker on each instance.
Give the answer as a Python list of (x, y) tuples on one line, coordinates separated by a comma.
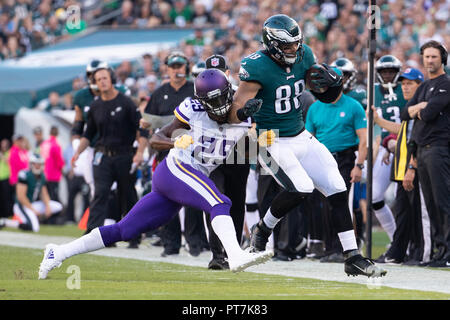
[(105, 278)]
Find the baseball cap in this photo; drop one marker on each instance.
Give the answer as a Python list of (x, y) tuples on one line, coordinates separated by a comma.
[(216, 61), (176, 59), (411, 74)]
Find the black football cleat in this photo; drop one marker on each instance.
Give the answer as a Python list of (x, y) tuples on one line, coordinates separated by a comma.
[(260, 234), (355, 265), (218, 264)]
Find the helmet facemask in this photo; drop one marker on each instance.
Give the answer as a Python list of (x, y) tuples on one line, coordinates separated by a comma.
[(218, 103), (213, 90), (349, 80)]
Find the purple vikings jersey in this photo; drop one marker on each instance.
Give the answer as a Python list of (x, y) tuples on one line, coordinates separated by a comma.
[(213, 142)]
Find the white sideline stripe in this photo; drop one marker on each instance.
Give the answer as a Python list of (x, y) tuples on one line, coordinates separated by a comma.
[(400, 277)]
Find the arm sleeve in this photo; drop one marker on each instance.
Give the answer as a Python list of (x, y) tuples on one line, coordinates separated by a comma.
[(437, 103), (250, 68)]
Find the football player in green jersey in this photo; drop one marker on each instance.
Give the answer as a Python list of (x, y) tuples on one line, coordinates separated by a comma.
[(272, 80), (81, 102), (32, 199), (389, 102), (350, 87)]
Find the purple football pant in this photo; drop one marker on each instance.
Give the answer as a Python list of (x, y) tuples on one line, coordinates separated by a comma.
[(174, 185)]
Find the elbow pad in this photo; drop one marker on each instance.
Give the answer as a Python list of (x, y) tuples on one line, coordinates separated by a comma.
[(78, 128)]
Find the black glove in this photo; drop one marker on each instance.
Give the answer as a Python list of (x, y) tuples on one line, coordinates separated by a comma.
[(251, 107), (325, 78)]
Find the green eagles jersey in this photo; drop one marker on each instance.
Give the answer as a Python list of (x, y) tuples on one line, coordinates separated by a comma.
[(390, 108), (34, 184), (281, 90), (359, 94)]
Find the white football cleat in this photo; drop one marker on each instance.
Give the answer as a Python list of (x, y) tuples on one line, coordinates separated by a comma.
[(249, 259), (52, 259)]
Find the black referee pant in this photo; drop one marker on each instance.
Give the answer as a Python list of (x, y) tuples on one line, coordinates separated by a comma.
[(114, 167), (433, 166), (231, 180)]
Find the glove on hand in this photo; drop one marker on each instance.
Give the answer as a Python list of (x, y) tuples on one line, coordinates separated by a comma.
[(325, 77), (251, 107), (184, 141), (266, 138)]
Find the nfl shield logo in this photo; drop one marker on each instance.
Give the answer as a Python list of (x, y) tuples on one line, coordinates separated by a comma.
[(215, 62)]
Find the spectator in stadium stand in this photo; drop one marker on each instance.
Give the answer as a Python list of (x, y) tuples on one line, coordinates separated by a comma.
[(430, 109)]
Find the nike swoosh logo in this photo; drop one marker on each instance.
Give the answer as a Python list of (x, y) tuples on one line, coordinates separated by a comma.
[(334, 77), (447, 264)]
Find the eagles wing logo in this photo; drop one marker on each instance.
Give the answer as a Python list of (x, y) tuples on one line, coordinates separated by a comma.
[(243, 73)]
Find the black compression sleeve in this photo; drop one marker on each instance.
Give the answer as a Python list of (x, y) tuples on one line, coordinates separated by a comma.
[(78, 127)]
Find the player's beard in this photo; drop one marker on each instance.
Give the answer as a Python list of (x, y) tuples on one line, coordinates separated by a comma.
[(36, 171)]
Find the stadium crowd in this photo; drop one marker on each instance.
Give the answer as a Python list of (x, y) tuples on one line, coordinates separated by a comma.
[(231, 28)]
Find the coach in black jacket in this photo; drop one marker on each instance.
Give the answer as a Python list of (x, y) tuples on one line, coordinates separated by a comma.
[(114, 119), (430, 108)]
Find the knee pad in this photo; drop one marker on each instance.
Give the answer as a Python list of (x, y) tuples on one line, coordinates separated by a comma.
[(378, 205)]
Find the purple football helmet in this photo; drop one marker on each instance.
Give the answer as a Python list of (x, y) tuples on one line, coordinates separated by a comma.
[(214, 92)]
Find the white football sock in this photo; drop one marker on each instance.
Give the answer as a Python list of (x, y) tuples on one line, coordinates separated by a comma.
[(387, 221), (224, 228), (87, 243), (270, 220), (348, 240)]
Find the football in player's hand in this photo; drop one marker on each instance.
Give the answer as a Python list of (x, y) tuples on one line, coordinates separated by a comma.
[(312, 78)]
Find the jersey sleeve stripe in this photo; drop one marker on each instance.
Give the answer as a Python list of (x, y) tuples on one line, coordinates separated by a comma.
[(181, 116)]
